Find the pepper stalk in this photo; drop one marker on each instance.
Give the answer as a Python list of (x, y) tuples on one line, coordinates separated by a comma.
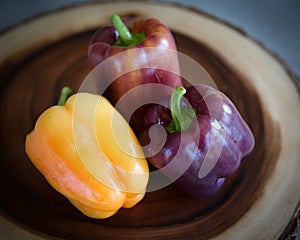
[(182, 118), (126, 38), (64, 95)]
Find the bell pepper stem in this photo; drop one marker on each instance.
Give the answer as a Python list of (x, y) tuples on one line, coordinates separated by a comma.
[(124, 34), (126, 38), (176, 106), (181, 117), (64, 95)]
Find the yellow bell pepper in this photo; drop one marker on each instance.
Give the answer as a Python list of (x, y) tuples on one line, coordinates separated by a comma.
[(86, 150)]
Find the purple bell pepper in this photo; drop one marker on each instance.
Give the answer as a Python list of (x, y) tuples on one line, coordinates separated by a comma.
[(203, 141)]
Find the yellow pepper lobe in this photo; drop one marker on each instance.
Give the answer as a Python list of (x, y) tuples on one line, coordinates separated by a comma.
[(74, 146)]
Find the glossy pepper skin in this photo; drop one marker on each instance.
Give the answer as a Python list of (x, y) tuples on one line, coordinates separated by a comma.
[(211, 147), (75, 148), (151, 58)]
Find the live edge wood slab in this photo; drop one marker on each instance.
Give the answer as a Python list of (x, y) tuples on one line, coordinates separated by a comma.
[(260, 201)]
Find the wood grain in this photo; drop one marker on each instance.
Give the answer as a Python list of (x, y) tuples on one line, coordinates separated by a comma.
[(257, 202)]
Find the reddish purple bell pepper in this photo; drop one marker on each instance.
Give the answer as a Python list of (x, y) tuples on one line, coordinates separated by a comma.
[(206, 136), (146, 43)]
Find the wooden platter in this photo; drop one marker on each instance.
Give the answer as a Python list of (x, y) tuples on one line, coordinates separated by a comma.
[(260, 201)]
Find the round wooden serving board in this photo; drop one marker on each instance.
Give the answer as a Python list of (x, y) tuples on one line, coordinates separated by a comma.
[(259, 201)]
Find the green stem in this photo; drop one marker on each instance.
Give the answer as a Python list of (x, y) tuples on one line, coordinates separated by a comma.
[(176, 106), (126, 38), (64, 95), (181, 117), (123, 31)]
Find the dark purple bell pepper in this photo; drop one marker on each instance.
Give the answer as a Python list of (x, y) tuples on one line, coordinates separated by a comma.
[(204, 140)]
